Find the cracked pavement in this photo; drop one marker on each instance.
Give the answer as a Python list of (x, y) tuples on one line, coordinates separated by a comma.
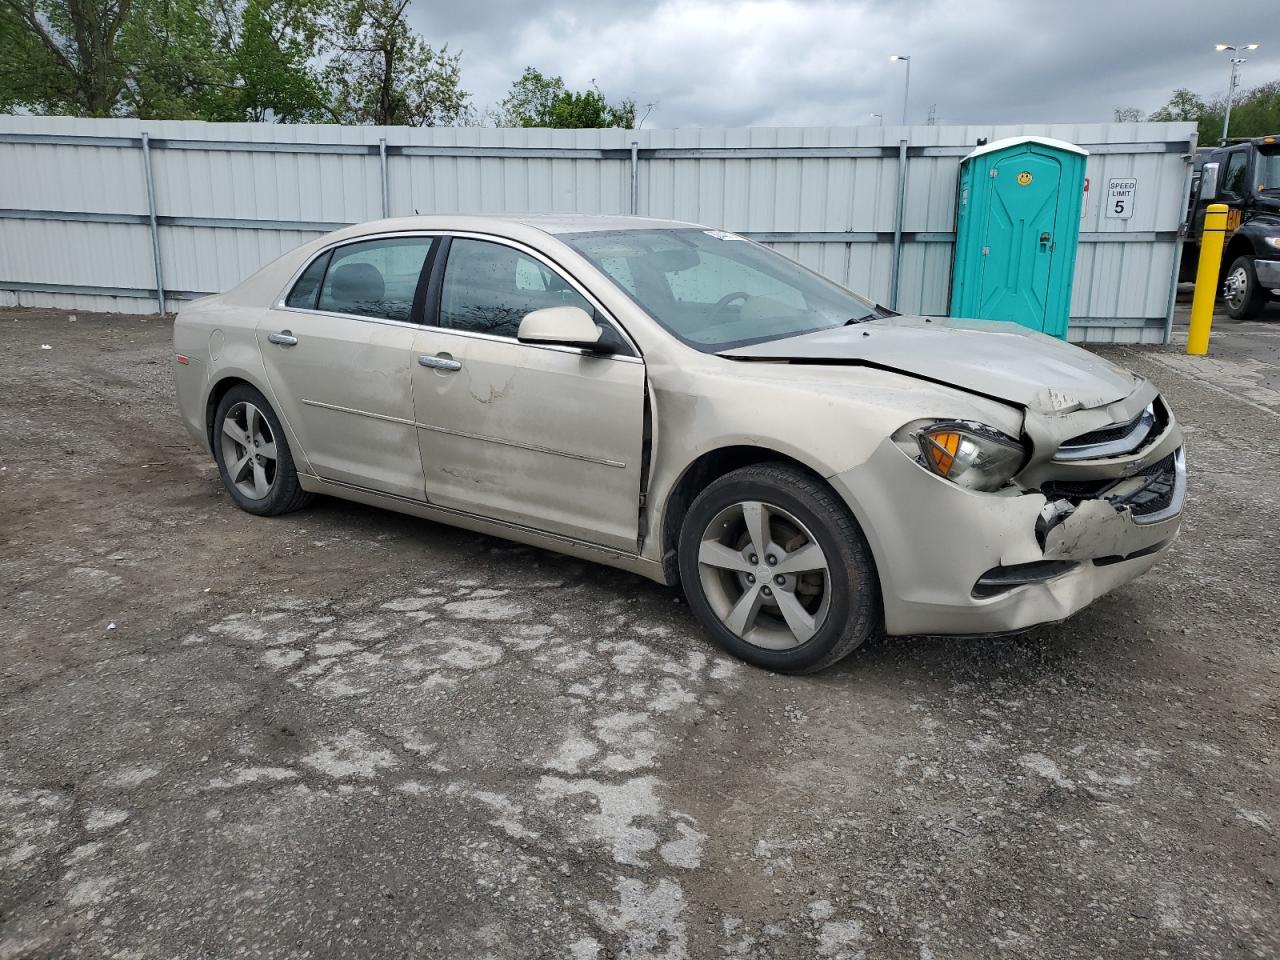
[(348, 733)]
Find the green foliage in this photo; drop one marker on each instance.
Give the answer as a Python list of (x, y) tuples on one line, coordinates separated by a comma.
[(383, 73), (226, 60), (271, 57), (344, 61), (1255, 113), (536, 100), (174, 55), (60, 55), (172, 59)]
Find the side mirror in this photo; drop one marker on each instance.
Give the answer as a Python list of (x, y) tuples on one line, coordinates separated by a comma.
[(566, 326), (1209, 182)]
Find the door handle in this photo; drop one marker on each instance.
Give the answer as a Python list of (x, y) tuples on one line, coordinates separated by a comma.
[(439, 363), (1044, 240), (284, 338)]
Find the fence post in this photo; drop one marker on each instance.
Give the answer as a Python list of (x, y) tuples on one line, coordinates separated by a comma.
[(1183, 226), (899, 213), (635, 162), (151, 216), (386, 187)]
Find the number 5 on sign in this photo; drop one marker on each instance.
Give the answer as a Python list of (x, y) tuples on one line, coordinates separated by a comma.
[(1120, 194)]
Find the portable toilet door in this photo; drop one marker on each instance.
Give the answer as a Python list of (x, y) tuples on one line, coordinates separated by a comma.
[(1017, 226)]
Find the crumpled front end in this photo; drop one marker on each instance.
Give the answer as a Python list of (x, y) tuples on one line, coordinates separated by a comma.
[(1099, 500)]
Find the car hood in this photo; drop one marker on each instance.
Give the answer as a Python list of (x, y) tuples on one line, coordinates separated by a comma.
[(1000, 360)]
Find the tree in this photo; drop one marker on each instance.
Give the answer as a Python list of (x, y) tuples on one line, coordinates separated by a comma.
[(1183, 105), (1255, 113), (163, 59), (1128, 115), (275, 45), (383, 73), (537, 100), (60, 55), (176, 60)]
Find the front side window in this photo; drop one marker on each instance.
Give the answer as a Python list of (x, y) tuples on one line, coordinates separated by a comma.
[(375, 278), (489, 287), (714, 290), (1234, 182)]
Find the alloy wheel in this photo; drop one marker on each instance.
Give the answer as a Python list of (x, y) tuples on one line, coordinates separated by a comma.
[(764, 575), (249, 450)]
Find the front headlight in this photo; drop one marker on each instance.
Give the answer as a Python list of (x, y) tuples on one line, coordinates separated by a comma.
[(1274, 241), (969, 454)]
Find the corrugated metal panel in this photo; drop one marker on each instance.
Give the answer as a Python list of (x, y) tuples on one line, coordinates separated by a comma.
[(845, 182)]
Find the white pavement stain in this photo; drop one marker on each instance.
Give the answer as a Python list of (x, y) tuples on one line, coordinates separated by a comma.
[(629, 690), (647, 919), (352, 754)]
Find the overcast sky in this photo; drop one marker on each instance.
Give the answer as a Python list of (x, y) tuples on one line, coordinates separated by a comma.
[(822, 62)]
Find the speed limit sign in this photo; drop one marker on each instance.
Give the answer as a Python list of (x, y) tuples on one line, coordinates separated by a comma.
[(1120, 194)]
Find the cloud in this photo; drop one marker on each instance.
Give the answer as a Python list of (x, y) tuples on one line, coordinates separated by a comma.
[(825, 62)]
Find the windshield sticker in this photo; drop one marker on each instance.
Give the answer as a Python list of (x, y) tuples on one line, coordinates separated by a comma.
[(723, 235)]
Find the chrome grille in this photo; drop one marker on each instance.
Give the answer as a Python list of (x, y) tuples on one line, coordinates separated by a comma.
[(1117, 440)]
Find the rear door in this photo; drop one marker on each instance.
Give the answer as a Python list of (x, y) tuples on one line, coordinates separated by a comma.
[(339, 355), (543, 436)]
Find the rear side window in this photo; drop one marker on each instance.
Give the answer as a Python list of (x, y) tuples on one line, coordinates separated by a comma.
[(307, 288), (489, 287), (375, 278)]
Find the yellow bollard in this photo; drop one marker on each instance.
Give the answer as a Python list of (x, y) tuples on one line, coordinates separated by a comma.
[(1211, 240)]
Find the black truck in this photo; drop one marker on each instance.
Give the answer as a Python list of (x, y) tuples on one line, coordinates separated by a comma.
[(1246, 177)]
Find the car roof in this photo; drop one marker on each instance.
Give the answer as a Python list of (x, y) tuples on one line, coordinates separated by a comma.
[(590, 222), (516, 227)]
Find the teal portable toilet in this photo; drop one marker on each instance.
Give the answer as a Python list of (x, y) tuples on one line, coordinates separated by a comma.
[(1017, 225)]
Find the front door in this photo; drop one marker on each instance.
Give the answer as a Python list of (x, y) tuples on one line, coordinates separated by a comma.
[(541, 436), (339, 357), (1019, 240)]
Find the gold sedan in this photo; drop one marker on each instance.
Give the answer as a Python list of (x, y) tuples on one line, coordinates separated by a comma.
[(694, 407)]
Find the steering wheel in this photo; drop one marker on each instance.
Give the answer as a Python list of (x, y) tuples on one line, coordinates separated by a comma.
[(723, 302)]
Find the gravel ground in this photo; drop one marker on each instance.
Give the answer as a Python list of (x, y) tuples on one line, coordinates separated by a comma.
[(347, 733)]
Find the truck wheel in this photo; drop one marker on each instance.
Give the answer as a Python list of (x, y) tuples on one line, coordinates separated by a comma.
[(1243, 298)]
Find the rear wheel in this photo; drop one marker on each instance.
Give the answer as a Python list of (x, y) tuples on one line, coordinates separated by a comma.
[(253, 455), (1241, 294), (777, 569)]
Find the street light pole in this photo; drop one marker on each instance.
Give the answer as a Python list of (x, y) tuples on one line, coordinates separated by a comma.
[(1231, 86), (879, 117), (906, 86)]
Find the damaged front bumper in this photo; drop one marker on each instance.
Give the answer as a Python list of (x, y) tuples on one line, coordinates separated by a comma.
[(954, 561)]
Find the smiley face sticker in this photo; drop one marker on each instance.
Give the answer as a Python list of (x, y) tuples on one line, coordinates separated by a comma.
[(1024, 178)]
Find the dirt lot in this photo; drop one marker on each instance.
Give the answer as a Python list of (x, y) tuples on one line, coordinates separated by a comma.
[(346, 733)]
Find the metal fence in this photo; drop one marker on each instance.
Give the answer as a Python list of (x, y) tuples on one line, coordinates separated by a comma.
[(126, 214)]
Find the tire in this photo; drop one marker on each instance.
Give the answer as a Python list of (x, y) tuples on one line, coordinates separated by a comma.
[(836, 608), (261, 485), (1241, 294)]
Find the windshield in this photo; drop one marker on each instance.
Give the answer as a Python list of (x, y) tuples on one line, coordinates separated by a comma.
[(1269, 173), (715, 290)]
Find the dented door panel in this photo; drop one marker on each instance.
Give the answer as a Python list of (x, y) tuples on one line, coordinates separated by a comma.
[(549, 438)]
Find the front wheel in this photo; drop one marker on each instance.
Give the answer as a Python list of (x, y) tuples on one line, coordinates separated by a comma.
[(253, 455), (1243, 297), (777, 569)]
